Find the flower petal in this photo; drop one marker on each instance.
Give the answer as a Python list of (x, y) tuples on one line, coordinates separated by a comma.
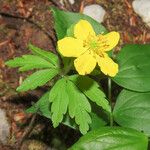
[(85, 64), (108, 66), (70, 47), (83, 29), (109, 40)]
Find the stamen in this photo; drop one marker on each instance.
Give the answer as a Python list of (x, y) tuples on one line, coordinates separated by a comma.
[(96, 44)]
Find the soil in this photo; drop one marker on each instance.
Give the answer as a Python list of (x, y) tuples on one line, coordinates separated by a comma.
[(24, 21)]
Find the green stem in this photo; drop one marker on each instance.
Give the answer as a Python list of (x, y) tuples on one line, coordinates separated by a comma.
[(67, 69), (110, 100)]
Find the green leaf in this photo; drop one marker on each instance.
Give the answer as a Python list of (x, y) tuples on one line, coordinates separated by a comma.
[(29, 62), (133, 110), (77, 101), (92, 90), (49, 56), (42, 106), (79, 107), (60, 100), (112, 138), (134, 66), (38, 78), (64, 20), (97, 122)]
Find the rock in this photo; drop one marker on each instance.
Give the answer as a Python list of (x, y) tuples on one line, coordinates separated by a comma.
[(95, 11), (72, 1), (142, 8), (4, 127)]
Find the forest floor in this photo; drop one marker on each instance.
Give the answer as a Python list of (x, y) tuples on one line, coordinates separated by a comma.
[(24, 21)]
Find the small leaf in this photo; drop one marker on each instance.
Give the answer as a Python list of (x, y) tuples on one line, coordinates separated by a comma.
[(64, 20), (79, 107), (49, 56), (38, 78), (60, 100), (132, 110), (29, 62), (112, 138), (42, 106), (134, 66), (92, 90)]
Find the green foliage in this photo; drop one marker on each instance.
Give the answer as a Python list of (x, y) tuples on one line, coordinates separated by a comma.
[(60, 100), (64, 20), (115, 138), (69, 96), (75, 100), (92, 90), (133, 110), (49, 56), (79, 107), (43, 106), (134, 66), (39, 78), (40, 60), (29, 62)]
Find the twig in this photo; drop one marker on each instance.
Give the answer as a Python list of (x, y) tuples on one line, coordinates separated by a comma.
[(68, 5), (4, 42), (58, 4), (82, 6), (27, 131)]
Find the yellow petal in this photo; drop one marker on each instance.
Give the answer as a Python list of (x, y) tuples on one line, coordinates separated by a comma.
[(85, 64), (83, 29), (108, 66), (109, 40), (70, 47)]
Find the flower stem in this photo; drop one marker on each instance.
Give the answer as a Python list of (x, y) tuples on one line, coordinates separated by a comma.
[(67, 68), (110, 100)]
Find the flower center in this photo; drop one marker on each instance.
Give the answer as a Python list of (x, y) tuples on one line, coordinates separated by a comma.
[(96, 45)]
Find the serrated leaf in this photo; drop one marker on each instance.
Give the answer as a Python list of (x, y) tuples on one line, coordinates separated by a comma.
[(134, 66), (60, 100), (132, 110), (63, 21), (92, 90), (49, 56), (29, 62), (112, 138), (38, 78), (79, 107), (42, 106)]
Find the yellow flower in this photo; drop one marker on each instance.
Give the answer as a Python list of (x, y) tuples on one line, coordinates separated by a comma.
[(90, 49)]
